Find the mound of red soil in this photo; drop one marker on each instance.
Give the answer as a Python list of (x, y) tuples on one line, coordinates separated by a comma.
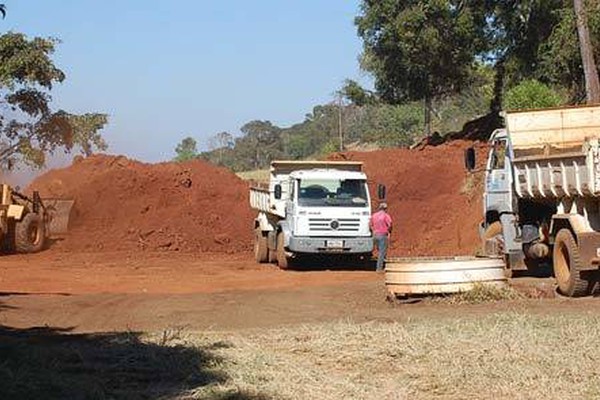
[(435, 204), (121, 204)]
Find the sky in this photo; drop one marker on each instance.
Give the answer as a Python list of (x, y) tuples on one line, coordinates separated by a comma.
[(164, 70)]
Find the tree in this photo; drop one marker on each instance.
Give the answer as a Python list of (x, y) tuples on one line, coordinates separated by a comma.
[(356, 94), (420, 50), (221, 142), (519, 30), (590, 71), (560, 55), (262, 139), (86, 134), (29, 129), (186, 150), (531, 94), (414, 52)]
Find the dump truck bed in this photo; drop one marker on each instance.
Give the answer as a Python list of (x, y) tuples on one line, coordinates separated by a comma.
[(552, 131), (556, 151), (260, 199)]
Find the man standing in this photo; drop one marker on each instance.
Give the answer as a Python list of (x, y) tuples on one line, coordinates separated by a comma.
[(381, 226)]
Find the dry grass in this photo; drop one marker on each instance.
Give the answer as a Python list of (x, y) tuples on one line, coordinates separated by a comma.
[(508, 355), (481, 293), (504, 356), (46, 363), (260, 175)]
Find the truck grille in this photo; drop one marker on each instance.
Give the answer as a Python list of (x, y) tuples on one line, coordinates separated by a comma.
[(334, 224)]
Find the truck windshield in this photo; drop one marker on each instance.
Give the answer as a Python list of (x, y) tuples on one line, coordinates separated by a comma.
[(332, 193)]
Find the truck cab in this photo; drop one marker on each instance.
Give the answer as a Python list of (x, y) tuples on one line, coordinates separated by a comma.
[(328, 211), (501, 231)]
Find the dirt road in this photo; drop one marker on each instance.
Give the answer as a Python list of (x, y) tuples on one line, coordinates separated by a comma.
[(141, 292)]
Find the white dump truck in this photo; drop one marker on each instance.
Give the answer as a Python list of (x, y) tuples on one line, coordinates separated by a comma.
[(312, 207), (542, 194)]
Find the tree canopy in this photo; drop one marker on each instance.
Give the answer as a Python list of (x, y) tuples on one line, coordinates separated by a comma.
[(186, 150), (430, 48), (29, 128), (531, 94), (420, 49)]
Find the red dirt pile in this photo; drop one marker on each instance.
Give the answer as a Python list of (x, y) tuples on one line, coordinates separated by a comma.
[(121, 204), (436, 205)]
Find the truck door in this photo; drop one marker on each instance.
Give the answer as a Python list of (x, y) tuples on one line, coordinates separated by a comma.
[(498, 179), (290, 206), (499, 198)]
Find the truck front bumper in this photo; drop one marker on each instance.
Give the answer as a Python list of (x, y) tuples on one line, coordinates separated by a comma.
[(338, 245)]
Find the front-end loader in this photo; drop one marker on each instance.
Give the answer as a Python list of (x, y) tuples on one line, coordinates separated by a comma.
[(26, 222)]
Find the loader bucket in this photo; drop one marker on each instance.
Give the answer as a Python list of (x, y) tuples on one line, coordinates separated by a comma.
[(59, 213)]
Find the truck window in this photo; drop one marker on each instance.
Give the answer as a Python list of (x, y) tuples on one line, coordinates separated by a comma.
[(332, 193), (498, 154)]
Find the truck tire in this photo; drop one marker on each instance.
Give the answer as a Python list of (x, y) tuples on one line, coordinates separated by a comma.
[(568, 266), (272, 256), (282, 258), (30, 234), (261, 251)]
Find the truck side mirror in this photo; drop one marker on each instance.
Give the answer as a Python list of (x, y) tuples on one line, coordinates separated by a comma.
[(470, 160), (278, 191), (381, 191)]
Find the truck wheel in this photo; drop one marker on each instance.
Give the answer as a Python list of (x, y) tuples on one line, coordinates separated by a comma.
[(261, 251), (272, 256), (282, 259), (511, 273), (30, 234), (567, 266)]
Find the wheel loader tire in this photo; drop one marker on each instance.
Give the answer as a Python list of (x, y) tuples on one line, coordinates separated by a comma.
[(282, 258), (568, 266), (261, 251), (30, 234), (8, 238)]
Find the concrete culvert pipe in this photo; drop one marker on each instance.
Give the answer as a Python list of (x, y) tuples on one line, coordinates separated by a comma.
[(404, 276)]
